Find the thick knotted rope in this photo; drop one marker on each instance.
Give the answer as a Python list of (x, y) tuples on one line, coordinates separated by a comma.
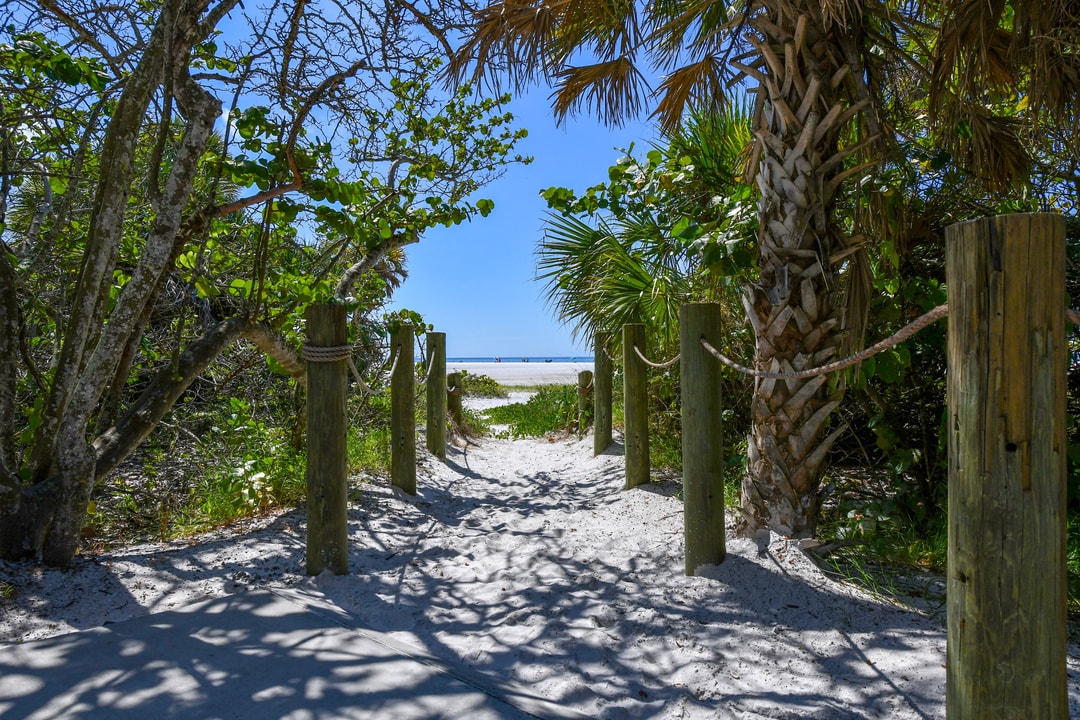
[(430, 365), (337, 353)]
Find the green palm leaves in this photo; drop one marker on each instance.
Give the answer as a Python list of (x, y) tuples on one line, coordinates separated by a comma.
[(621, 271)]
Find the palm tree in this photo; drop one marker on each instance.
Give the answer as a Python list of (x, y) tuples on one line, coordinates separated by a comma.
[(814, 127), (622, 260), (818, 70), (600, 278)]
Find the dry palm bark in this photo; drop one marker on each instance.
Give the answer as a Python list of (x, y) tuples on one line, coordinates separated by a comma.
[(806, 82)]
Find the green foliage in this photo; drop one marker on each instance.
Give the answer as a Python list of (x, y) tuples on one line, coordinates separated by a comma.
[(481, 386), (260, 471), (369, 450), (36, 57), (1072, 560), (665, 419), (464, 139), (673, 226), (553, 409)]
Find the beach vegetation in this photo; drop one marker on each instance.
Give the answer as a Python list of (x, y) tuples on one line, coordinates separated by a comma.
[(552, 410), (905, 98), (479, 385), (173, 199)]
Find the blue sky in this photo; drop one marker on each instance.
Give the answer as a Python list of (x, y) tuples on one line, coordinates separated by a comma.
[(475, 281)]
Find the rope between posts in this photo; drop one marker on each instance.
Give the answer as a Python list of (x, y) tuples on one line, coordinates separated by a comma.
[(337, 353), (430, 365), (427, 375), (901, 335), (906, 332), (652, 364)]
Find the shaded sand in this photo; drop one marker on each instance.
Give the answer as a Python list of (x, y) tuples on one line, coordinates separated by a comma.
[(527, 561), (524, 373)]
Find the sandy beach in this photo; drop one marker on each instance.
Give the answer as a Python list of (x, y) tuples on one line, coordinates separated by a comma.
[(520, 561), (524, 373)]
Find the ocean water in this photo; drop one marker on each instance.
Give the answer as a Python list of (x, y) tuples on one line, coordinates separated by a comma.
[(530, 358)]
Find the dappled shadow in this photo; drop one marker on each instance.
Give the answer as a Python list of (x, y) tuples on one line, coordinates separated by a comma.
[(251, 655), (520, 575), (494, 573), (222, 562)]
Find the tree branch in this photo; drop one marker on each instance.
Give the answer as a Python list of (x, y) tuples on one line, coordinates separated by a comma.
[(9, 365), (116, 443), (369, 261)]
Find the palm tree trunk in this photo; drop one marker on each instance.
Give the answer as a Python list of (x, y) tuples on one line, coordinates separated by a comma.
[(794, 308)]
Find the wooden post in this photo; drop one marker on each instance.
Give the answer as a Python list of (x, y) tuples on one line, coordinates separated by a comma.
[(584, 393), (436, 394), (601, 398), (403, 411), (1006, 425), (635, 406), (327, 384), (454, 393), (702, 436)]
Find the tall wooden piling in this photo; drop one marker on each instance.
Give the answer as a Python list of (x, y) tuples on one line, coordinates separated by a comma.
[(402, 411), (602, 372), (327, 384), (584, 395), (1007, 452), (436, 394), (702, 436), (635, 406), (454, 396)]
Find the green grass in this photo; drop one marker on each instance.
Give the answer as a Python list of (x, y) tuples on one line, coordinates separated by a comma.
[(552, 409), (368, 451)]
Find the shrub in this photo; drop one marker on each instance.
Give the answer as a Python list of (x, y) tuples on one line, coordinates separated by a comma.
[(482, 386), (552, 409)]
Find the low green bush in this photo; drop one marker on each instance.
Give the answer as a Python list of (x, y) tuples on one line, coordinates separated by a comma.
[(552, 409), (482, 386)]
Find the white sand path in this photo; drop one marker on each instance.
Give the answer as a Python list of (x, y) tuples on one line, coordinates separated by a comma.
[(526, 560)]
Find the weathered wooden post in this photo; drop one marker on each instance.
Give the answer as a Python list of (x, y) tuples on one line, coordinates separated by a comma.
[(702, 436), (436, 394), (584, 394), (454, 393), (402, 411), (327, 384), (601, 397), (635, 406), (1006, 425)]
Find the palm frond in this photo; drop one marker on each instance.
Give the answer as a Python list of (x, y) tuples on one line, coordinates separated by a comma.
[(600, 278), (699, 84), (613, 90), (696, 25), (515, 38), (717, 140), (609, 28)]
